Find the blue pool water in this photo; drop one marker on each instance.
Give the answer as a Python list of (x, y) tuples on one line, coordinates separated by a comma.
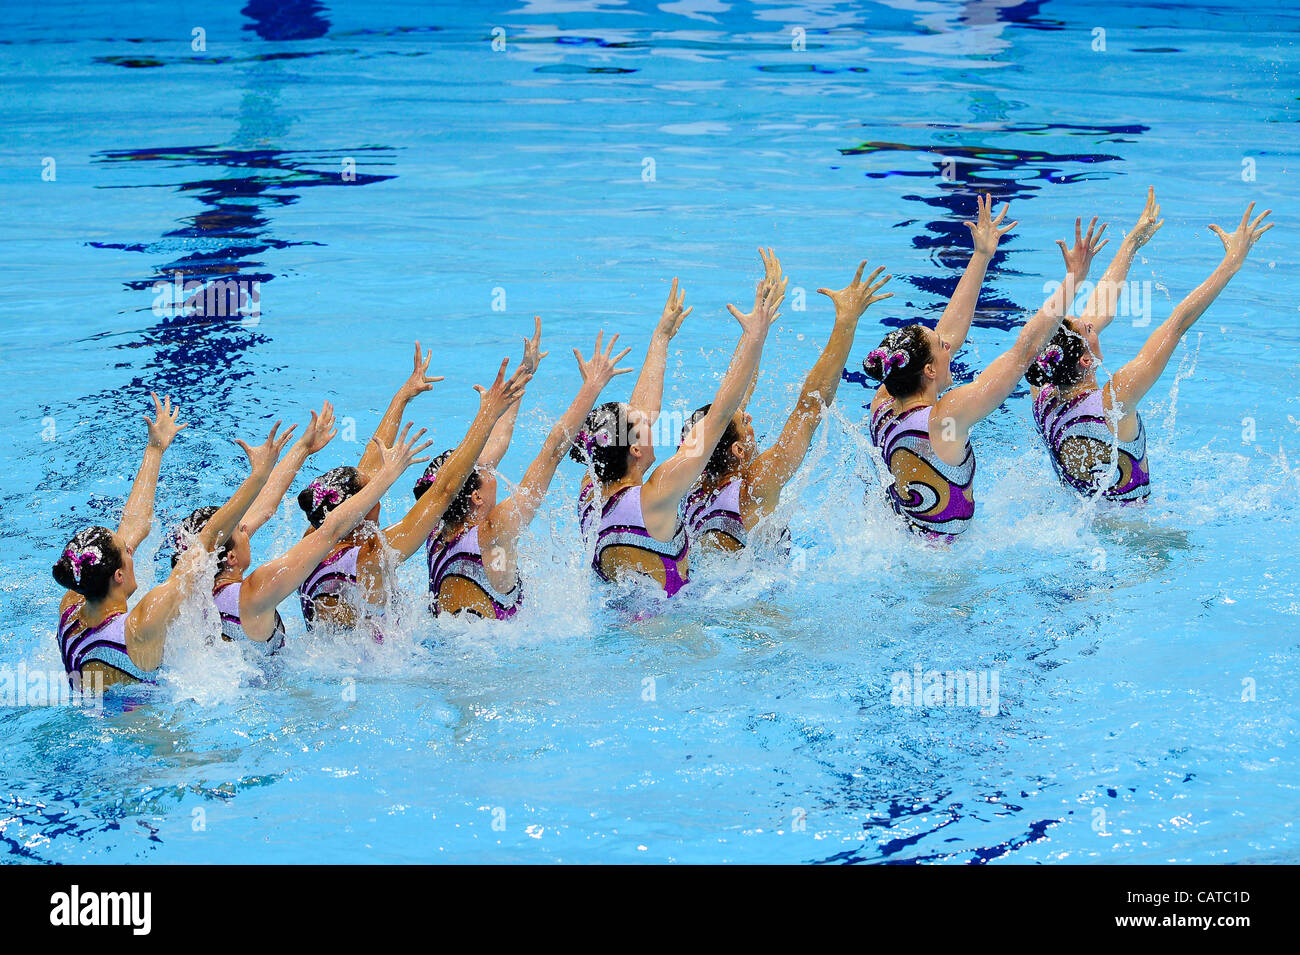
[(1146, 659)]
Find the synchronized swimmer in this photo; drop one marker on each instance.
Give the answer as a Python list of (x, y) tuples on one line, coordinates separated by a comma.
[(640, 522)]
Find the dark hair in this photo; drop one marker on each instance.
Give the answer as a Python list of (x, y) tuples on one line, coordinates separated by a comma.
[(191, 527), (88, 563), (327, 492), (1058, 364), (899, 361), (457, 511), (721, 460), (603, 442)]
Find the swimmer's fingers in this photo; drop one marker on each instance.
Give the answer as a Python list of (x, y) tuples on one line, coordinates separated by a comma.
[(857, 276), (284, 439), (1003, 214), (1007, 228), (872, 277), (1087, 239), (1245, 216), (1255, 236), (618, 358), (1260, 218)]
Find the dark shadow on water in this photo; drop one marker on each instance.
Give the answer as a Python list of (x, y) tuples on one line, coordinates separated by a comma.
[(278, 20)]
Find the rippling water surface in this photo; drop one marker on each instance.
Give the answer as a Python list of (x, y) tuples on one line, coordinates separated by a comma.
[(1145, 660)]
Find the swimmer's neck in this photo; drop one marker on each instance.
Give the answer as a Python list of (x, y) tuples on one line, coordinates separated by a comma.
[(926, 397), (713, 483), (613, 487), (358, 535), (451, 533), (93, 614), (1082, 386), (635, 475)]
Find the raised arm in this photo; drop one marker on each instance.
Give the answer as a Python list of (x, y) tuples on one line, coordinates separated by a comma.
[(137, 515), (499, 441), (648, 395), (772, 275), (954, 324), (386, 433), (960, 408), (315, 436), (1104, 301), (147, 623), (513, 514), (772, 469), (666, 487), (411, 531), (265, 588), (1131, 383)]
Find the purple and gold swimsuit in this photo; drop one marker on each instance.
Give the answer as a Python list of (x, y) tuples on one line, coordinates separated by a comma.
[(103, 643), (336, 573), (622, 523), (716, 511), (939, 498), (462, 557), (226, 597), (1083, 418)]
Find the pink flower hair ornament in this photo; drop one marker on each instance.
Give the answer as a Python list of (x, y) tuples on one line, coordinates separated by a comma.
[(1050, 357), (889, 360), (81, 559), (321, 494)]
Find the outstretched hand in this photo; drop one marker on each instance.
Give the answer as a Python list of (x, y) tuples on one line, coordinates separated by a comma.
[(771, 266), (674, 313), (984, 231), (263, 457), (503, 393), (767, 299), (320, 431), (1078, 258), (1237, 243), (419, 382), (165, 424), (1148, 223), (402, 454), (533, 353), (852, 300), (600, 368)]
